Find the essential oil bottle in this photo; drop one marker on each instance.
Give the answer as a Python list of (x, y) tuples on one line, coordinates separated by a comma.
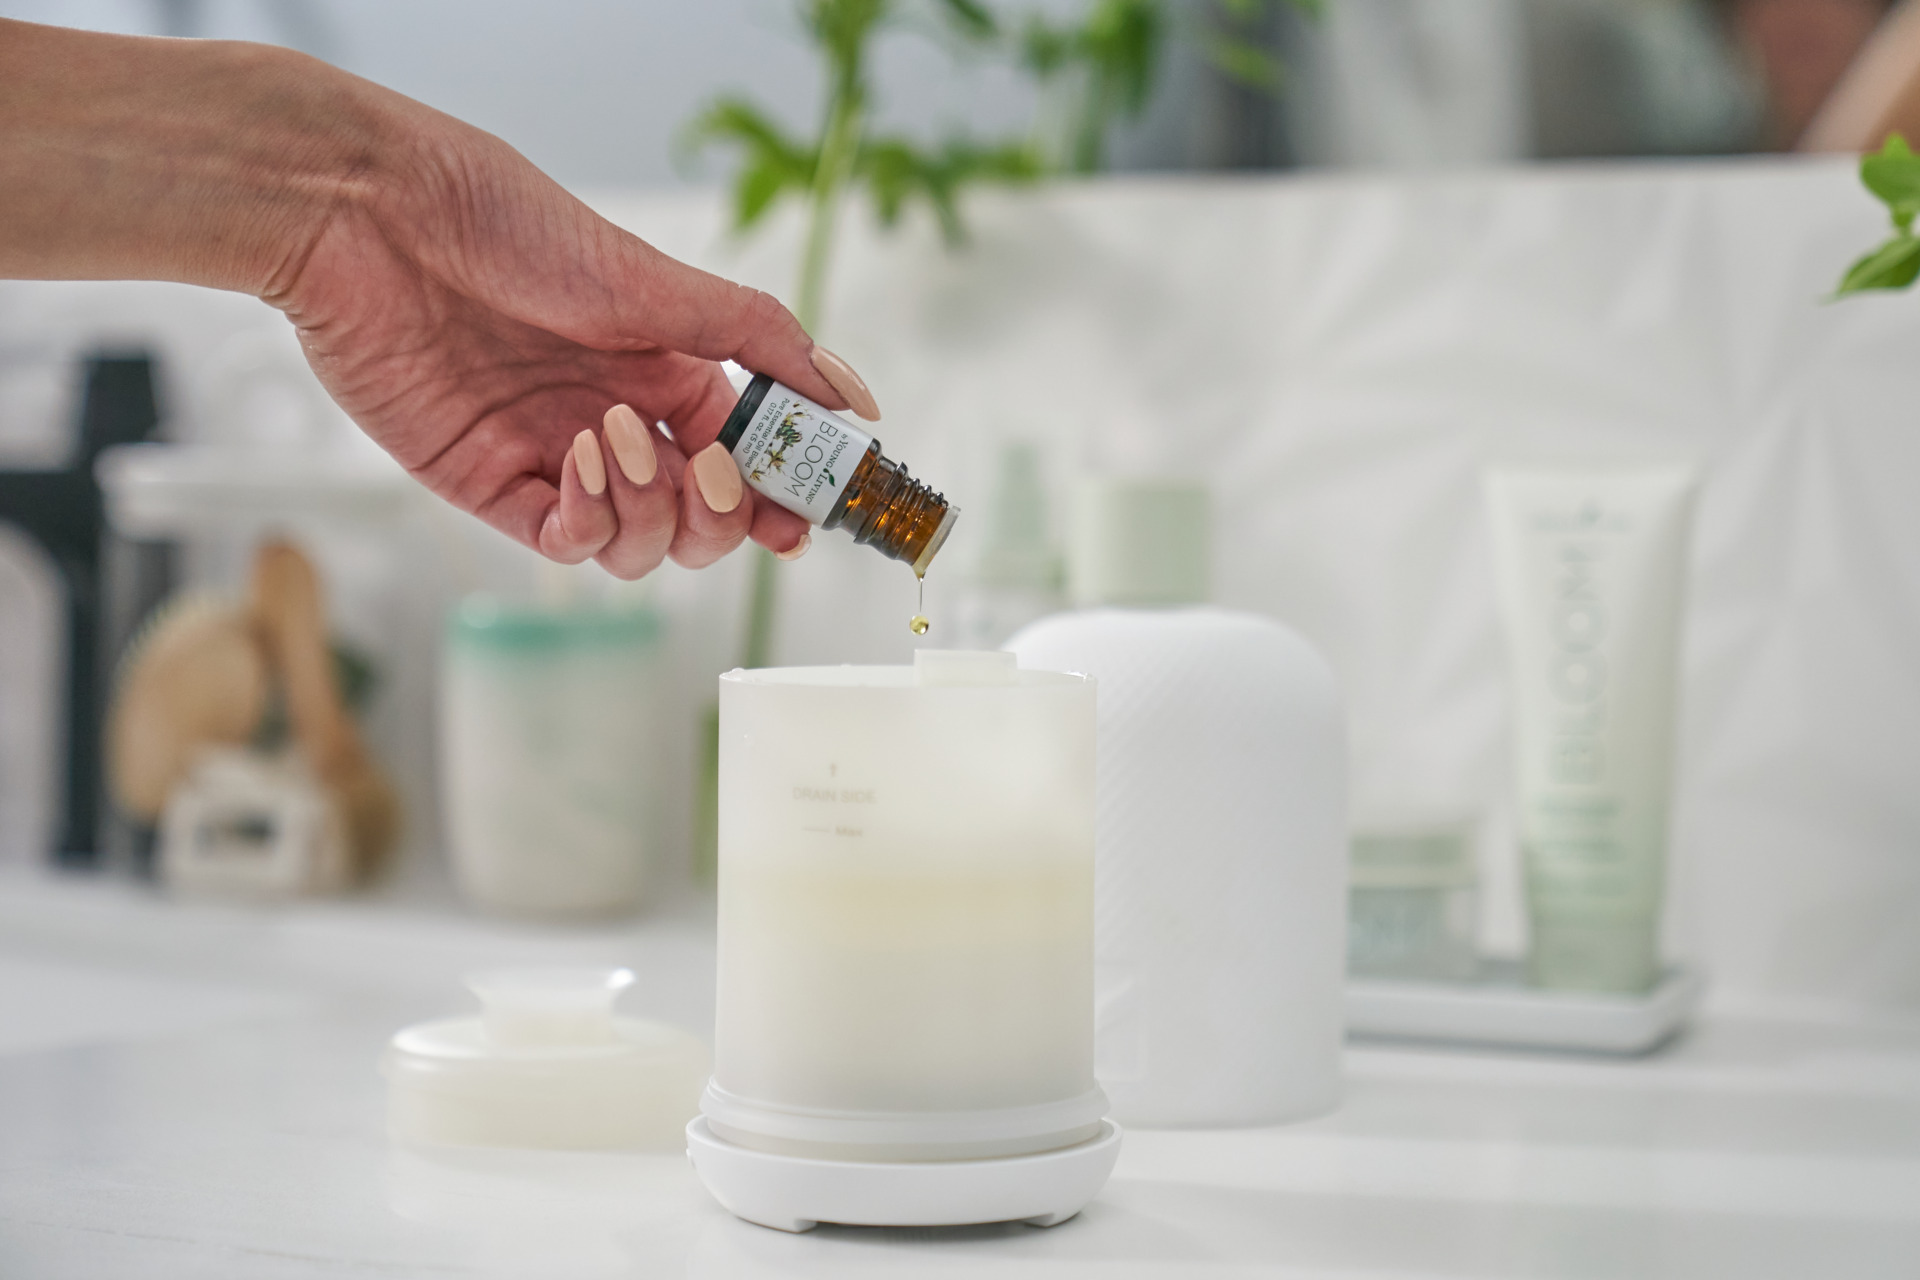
[(830, 473)]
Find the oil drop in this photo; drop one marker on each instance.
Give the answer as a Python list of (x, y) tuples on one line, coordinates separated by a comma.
[(918, 623)]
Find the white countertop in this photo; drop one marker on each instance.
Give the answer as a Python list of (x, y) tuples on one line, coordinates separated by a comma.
[(192, 1091)]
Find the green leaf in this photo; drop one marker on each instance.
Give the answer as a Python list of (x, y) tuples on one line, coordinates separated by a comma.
[(1894, 265), (1121, 43), (972, 17), (946, 210), (739, 121), (841, 29), (772, 165), (755, 190), (892, 171), (898, 173), (1893, 174), (1044, 50), (1244, 62), (1011, 163)]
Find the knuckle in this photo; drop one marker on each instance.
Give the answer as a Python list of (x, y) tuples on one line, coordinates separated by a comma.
[(625, 569), (697, 551), (763, 313)]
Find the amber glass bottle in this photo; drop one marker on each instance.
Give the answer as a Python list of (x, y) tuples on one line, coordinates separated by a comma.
[(824, 469)]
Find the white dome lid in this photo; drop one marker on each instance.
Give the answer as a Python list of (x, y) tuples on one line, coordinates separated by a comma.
[(547, 1064)]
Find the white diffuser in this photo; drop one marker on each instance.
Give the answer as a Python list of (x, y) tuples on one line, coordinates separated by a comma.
[(904, 1021), (1221, 829)]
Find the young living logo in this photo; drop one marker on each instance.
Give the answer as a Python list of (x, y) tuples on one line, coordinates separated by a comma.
[(816, 455)]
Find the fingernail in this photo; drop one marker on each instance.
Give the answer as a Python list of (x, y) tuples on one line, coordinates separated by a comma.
[(719, 478), (632, 448), (591, 466), (841, 377), (797, 550)]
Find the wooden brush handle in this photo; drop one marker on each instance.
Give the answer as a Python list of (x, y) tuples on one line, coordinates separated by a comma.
[(292, 617), (293, 625)]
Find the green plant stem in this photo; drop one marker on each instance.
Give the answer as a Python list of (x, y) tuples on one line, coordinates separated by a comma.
[(839, 148), (763, 600)]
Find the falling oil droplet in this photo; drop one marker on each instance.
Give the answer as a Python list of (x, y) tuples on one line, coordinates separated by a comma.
[(918, 623)]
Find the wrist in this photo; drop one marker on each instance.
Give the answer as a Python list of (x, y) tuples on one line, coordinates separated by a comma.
[(304, 144), (208, 162)]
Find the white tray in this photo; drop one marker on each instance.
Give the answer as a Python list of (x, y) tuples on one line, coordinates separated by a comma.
[(1498, 1008)]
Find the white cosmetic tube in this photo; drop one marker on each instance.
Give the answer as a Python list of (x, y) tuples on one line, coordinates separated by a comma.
[(1592, 565)]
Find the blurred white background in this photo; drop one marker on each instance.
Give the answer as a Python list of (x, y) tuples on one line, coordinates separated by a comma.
[(1336, 354), (596, 92)]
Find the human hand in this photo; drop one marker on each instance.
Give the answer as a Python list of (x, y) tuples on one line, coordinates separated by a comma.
[(477, 321), (472, 317)]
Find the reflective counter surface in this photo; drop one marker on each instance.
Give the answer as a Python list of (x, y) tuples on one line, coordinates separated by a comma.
[(193, 1090)]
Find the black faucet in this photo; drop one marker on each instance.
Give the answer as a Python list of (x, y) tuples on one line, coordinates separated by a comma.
[(64, 511)]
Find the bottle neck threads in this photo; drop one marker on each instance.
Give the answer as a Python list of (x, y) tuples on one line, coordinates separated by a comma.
[(887, 509)]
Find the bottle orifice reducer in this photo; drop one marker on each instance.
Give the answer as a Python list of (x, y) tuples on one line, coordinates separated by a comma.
[(830, 473)]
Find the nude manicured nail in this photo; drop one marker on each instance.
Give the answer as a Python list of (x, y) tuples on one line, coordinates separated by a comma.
[(632, 448), (588, 462), (719, 478), (797, 550), (841, 377)]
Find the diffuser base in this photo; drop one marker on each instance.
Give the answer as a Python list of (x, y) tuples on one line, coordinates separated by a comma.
[(794, 1193)]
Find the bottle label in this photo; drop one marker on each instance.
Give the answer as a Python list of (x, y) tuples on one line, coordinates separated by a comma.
[(799, 454)]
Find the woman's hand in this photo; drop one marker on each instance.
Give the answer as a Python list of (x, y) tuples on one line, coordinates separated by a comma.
[(478, 322), (475, 319)]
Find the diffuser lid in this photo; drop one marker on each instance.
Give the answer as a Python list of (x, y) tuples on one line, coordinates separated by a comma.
[(1139, 542), (547, 1064)]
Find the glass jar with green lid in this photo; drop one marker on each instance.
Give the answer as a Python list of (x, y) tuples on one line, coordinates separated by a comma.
[(549, 732)]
